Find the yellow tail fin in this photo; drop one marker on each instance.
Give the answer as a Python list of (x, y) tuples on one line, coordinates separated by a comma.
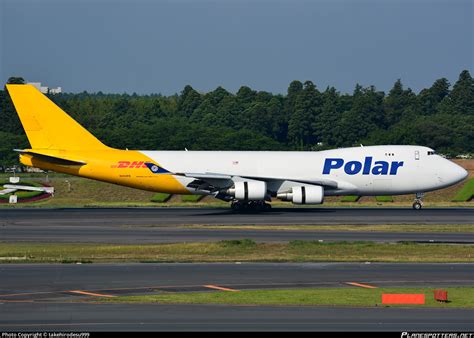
[(46, 125)]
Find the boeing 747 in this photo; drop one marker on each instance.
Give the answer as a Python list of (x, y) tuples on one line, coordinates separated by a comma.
[(247, 179)]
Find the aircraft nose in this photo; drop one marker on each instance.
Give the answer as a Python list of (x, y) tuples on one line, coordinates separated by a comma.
[(457, 173)]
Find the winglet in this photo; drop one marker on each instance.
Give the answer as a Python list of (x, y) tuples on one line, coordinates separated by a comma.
[(156, 169)]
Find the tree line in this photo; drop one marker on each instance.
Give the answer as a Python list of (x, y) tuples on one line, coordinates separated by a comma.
[(306, 118)]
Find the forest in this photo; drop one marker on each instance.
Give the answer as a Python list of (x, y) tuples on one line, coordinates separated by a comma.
[(305, 118)]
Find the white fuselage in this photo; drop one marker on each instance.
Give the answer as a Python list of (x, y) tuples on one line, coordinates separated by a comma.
[(371, 170)]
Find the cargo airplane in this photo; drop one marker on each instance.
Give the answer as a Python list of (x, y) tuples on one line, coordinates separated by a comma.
[(247, 179)]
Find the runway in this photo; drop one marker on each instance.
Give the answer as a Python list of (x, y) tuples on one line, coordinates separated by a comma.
[(40, 297), (158, 317), (224, 216), (34, 297), (166, 225), (21, 278)]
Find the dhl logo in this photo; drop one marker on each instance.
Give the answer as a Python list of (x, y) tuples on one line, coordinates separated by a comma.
[(128, 164)]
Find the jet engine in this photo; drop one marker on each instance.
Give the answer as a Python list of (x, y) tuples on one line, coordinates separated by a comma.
[(306, 194), (249, 190)]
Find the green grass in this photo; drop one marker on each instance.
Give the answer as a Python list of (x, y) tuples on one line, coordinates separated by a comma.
[(192, 198), (160, 197), (466, 193), (73, 191), (349, 198), (238, 243), (236, 251), (459, 297), (384, 198)]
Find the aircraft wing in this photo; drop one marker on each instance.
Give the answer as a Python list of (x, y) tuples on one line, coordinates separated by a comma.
[(316, 181), (207, 181), (215, 182)]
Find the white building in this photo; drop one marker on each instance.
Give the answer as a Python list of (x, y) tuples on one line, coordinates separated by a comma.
[(46, 90), (55, 90)]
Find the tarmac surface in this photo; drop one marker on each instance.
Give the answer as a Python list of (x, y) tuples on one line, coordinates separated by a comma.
[(57, 297), (225, 216), (62, 317), (168, 225), (51, 296)]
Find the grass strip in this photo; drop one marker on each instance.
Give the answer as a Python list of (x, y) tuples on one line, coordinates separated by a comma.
[(160, 197), (459, 297), (386, 199), (466, 193), (191, 198), (236, 250), (350, 198)]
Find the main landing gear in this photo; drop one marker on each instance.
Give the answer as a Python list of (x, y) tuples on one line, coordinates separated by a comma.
[(418, 203), (245, 206)]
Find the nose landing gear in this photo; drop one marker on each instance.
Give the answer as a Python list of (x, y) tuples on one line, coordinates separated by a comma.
[(418, 203)]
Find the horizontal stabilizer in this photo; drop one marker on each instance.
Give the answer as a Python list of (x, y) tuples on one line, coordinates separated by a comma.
[(51, 158)]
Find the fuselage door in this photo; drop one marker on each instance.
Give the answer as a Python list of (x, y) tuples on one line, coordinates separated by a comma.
[(417, 154)]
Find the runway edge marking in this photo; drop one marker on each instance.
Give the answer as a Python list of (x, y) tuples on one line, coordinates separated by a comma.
[(91, 293), (220, 288), (367, 286)]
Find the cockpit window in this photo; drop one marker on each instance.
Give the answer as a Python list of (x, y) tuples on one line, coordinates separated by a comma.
[(431, 152)]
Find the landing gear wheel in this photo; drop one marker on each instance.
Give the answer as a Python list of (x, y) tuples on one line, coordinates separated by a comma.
[(258, 206), (250, 206), (418, 203), (236, 206)]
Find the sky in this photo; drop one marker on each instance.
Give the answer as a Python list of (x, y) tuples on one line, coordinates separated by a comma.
[(146, 46)]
